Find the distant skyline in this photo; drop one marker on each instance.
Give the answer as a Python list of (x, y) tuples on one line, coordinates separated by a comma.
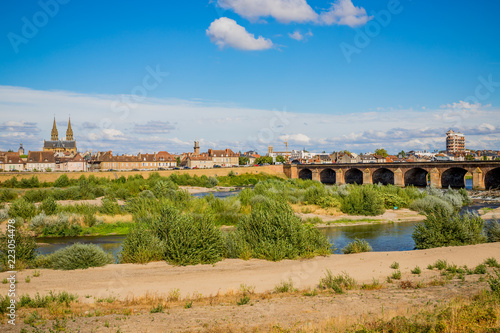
[(245, 74)]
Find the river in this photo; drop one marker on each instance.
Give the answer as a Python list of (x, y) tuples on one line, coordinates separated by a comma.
[(381, 236)]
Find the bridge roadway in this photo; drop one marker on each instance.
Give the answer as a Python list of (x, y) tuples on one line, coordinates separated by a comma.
[(485, 174)]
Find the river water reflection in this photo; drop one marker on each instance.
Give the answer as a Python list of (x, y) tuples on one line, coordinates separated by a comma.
[(382, 237)]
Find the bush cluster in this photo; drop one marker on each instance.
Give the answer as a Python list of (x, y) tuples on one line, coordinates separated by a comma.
[(274, 232), (76, 256), (442, 228), (60, 225), (363, 200), (180, 239), (357, 246), (25, 250)]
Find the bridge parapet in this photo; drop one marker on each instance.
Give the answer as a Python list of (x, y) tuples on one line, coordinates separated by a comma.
[(485, 174)]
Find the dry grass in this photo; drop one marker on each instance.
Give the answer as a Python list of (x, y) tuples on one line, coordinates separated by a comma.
[(315, 209), (115, 218), (52, 176)]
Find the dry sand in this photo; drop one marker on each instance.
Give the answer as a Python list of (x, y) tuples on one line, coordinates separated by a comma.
[(292, 312), (196, 189), (134, 279), (390, 215)]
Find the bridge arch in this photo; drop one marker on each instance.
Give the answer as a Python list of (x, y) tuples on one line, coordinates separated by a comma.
[(328, 176), (416, 177), (492, 179), (383, 176), (454, 177), (353, 176), (305, 174)]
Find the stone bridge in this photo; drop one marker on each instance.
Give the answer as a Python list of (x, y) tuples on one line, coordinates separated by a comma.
[(485, 174)]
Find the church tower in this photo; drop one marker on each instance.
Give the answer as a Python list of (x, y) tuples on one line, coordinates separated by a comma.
[(54, 136), (69, 132), (197, 148)]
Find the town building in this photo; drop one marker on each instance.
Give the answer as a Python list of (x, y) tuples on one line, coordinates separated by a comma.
[(40, 161), (57, 146), (286, 154), (224, 157), (455, 142), (202, 161), (11, 161), (75, 163)]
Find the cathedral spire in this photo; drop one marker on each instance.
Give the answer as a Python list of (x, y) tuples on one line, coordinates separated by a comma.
[(69, 131), (54, 135)]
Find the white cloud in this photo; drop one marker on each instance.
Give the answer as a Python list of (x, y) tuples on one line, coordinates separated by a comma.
[(225, 32), (343, 12), (285, 11), (297, 35), (296, 138), (222, 126)]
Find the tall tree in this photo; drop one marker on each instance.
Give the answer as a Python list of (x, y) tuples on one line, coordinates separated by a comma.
[(381, 151)]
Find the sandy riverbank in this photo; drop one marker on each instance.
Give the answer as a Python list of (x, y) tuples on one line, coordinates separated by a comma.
[(133, 279), (389, 216), (196, 190)]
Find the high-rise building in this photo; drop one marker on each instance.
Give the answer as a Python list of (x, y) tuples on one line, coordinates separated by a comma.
[(455, 142)]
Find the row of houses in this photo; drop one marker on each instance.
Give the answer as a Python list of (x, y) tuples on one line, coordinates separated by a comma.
[(42, 161), (107, 161)]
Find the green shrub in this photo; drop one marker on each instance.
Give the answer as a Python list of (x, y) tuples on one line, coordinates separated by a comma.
[(224, 211), (396, 275), (4, 304), (49, 206), (191, 240), (284, 287), (163, 188), (338, 283), (235, 246), (7, 195), (45, 301), (90, 220), (492, 230), (395, 265), (494, 282), (492, 262), (187, 239), (357, 246), (22, 208), (78, 256), (441, 264), (36, 195), (25, 249), (4, 214), (429, 203), (442, 228), (61, 225), (274, 232), (416, 270), (480, 269), (147, 194), (141, 246), (62, 181), (362, 200), (109, 206)]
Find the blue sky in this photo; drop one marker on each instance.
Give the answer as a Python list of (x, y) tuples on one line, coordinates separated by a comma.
[(232, 64)]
